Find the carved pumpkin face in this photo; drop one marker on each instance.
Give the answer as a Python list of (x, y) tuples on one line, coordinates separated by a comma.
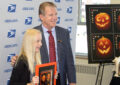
[(103, 47), (102, 21)]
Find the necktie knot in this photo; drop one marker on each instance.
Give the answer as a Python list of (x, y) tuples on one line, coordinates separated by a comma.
[(50, 32)]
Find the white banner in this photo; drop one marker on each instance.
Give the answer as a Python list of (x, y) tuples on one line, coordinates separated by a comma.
[(18, 15)]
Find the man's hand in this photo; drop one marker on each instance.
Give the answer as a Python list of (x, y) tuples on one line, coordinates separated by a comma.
[(13, 60), (72, 84)]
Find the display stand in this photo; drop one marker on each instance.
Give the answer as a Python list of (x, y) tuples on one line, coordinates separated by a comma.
[(100, 74)]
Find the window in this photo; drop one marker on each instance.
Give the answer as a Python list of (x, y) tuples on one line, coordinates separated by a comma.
[(81, 35), (81, 40), (81, 8)]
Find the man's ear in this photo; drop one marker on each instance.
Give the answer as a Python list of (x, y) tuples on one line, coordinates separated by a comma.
[(41, 17)]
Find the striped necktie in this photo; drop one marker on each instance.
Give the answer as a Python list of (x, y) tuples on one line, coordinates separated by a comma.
[(52, 52)]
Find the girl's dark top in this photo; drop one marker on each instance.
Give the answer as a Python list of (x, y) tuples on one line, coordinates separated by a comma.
[(20, 74)]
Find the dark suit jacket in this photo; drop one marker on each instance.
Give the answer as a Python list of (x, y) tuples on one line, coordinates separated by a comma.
[(20, 74), (65, 56)]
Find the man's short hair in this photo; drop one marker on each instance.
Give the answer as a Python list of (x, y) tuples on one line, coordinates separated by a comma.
[(43, 5)]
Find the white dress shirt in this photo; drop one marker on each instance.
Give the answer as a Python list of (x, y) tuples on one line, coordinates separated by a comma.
[(46, 34)]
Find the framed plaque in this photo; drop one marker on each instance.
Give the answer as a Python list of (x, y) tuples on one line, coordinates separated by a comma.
[(46, 73)]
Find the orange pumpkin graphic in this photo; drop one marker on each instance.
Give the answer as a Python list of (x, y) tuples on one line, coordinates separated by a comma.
[(103, 47), (102, 21)]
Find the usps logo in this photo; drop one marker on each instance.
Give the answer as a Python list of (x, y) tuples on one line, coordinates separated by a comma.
[(57, 0), (58, 21), (28, 21), (69, 10), (69, 29), (11, 33), (12, 8), (9, 57)]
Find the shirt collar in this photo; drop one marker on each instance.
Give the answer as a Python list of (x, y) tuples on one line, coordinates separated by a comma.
[(45, 29)]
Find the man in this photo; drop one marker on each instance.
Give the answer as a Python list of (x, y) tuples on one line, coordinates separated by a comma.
[(64, 56)]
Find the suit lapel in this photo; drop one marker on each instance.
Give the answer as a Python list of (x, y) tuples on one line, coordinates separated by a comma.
[(43, 49), (57, 39)]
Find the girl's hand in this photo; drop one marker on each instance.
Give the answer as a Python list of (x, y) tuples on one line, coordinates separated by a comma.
[(56, 75), (35, 80)]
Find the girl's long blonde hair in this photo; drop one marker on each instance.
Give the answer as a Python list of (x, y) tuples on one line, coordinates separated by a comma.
[(28, 50)]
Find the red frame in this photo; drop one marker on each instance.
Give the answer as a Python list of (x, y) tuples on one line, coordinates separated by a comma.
[(45, 65)]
